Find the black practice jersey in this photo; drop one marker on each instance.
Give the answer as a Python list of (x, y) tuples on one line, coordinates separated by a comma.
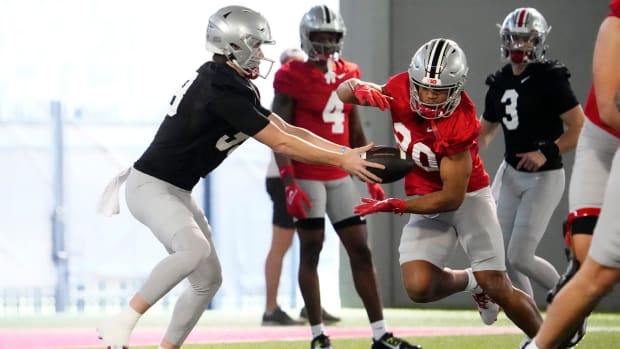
[(213, 113), (529, 107)]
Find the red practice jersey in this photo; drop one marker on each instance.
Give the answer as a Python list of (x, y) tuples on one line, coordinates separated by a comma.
[(591, 109), (428, 141), (317, 108)]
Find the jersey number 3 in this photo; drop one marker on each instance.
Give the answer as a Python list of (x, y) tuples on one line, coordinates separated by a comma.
[(511, 120)]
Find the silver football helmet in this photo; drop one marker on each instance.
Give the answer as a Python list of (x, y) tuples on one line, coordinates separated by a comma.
[(321, 19), (441, 65), (523, 34), (237, 32)]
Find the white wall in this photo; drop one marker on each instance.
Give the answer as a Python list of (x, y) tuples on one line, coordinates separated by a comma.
[(113, 66)]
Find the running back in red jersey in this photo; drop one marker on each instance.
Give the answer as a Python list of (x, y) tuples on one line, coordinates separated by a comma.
[(397, 163)]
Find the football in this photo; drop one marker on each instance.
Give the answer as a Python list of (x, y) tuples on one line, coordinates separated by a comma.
[(396, 163)]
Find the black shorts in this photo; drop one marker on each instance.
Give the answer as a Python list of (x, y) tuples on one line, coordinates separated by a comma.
[(275, 188)]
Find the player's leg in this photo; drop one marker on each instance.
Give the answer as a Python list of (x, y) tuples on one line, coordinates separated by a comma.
[(342, 195), (481, 238), (542, 194), (283, 230), (166, 210), (425, 247), (204, 281), (593, 158), (311, 232), (597, 276), (508, 192)]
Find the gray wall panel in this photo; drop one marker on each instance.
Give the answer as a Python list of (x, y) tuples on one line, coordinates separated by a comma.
[(382, 37)]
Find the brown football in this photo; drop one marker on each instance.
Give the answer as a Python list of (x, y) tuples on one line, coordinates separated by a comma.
[(397, 163)]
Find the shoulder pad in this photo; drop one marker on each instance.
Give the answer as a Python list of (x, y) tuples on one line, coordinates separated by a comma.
[(555, 68), (494, 79)]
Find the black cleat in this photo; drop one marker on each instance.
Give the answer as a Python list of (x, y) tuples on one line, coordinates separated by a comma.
[(280, 318), (321, 342), (389, 341), (327, 317)]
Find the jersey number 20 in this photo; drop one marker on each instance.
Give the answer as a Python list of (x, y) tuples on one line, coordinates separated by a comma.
[(419, 148)]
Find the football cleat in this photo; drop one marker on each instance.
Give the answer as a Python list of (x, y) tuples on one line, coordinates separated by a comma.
[(578, 336), (280, 318), (327, 317), (487, 308), (321, 342), (389, 341)]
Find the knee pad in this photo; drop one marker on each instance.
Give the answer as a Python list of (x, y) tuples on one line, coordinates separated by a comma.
[(581, 221)]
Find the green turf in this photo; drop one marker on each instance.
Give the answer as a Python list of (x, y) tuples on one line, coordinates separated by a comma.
[(604, 328), (595, 340)]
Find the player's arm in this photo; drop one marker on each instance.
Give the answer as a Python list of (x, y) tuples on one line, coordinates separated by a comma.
[(455, 171), (299, 149), (356, 91), (488, 131), (282, 116), (357, 138), (606, 73), (573, 119)]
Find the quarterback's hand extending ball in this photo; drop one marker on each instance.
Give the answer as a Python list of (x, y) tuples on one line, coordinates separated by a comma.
[(353, 162), (369, 96), (369, 206), (295, 200), (375, 191)]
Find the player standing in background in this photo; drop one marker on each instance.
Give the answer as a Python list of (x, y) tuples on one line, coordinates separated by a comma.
[(213, 113), (450, 201), (533, 101), (283, 229), (594, 191), (305, 95)]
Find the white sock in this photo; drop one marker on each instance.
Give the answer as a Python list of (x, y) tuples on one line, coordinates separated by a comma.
[(378, 329), (129, 316), (317, 330), (472, 284), (531, 345)]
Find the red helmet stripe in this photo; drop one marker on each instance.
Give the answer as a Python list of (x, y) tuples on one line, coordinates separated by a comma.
[(522, 16)]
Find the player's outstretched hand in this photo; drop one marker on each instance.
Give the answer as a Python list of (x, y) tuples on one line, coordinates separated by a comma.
[(353, 163), (369, 206), (295, 200), (375, 191), (369, 96)]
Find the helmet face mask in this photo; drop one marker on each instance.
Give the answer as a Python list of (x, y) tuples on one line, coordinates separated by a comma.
[(238, 32), (523, 34), (438, 69), (317, 22)]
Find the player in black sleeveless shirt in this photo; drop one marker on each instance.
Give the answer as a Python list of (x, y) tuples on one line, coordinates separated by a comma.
[(212, 114), (532, 99)]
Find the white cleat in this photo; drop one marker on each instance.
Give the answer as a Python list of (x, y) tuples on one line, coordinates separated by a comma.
[(487, 308), (113, 334)]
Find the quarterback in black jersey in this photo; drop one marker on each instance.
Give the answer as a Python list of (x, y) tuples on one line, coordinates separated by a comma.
[(532, 99), (212, 114)]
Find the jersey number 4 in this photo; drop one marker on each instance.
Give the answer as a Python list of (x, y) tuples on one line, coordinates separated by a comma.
[(333, 112)]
